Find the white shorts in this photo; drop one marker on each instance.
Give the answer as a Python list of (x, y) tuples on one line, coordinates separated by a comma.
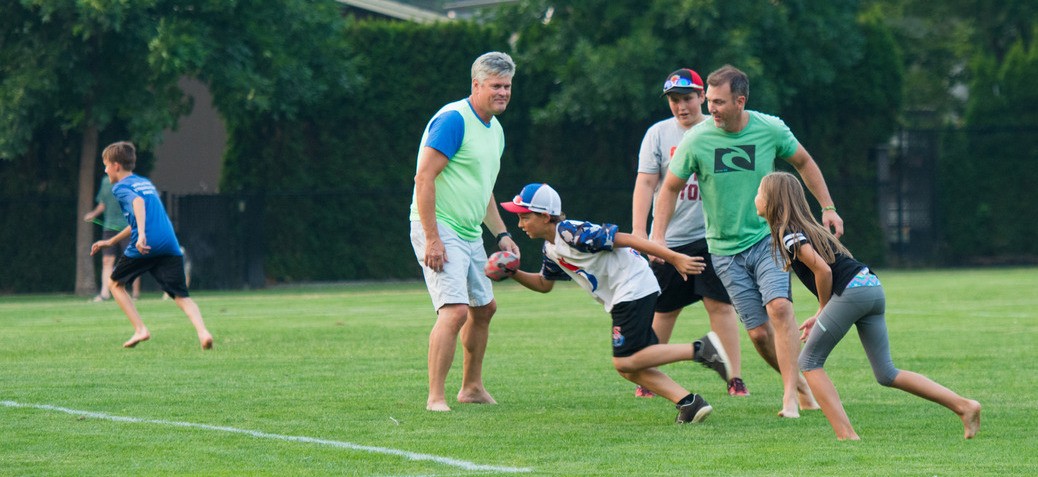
[(462, 280)]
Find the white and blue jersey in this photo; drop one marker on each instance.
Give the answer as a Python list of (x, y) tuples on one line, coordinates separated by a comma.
[(583, 252), (161, 237)]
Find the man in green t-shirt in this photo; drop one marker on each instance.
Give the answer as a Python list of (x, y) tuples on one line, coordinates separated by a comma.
[(458, 161), (730, 155)]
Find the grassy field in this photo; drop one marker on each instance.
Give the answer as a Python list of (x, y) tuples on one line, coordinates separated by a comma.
[(331, 380)]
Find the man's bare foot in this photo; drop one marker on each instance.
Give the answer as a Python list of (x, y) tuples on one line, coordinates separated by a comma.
[(439, 406), (794, 414), (206, 340), (478, 397), (971, 419), (136, 338)]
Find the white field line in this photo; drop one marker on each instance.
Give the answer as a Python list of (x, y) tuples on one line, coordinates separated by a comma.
[(472, 466)]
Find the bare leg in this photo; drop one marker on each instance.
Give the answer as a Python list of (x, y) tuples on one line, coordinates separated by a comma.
[(474, 335), (140, 332), (763, 341), (442, 342), (190, 308), (967, 409), (136, 289), (725, 322), (829, 400), (663, 325), (787, 348), (656, 381), (653, 356), (107, 265)]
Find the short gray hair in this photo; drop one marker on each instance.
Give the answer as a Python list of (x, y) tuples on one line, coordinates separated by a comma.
[(494, 63)]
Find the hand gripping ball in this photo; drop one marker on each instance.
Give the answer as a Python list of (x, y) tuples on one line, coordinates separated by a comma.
[(501, 265)]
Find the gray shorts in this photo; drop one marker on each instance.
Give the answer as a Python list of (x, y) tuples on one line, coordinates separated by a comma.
[(462, 280), (753, 278)]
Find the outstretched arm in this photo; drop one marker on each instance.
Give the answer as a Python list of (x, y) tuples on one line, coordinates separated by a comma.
[(98, 245), (815, 183), (685, 264), (534, 281)]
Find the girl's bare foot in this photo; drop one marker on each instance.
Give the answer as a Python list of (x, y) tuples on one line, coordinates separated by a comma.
[(971, 419), (136, 338)]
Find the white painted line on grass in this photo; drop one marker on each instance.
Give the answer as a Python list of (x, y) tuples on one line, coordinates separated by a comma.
[(265, 435)]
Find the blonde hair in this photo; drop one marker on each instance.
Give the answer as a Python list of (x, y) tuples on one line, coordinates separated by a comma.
[(787, 211)]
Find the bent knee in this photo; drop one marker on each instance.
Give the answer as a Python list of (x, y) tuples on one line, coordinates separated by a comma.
[(886, 378), (807, 363), (623, 366)]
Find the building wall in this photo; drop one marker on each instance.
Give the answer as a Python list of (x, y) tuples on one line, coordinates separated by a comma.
[(190, 159)]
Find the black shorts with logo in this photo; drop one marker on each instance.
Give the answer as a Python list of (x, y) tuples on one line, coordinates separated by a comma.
[(632, 326), (677, 293), (168, 271)]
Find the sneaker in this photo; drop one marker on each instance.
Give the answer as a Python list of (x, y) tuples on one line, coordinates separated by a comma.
[(737, 388), (643, 392), (695, 411), (711, 354)]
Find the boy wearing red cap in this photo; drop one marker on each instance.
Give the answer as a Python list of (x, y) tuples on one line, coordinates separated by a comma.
[(684, 90), (607, 265)]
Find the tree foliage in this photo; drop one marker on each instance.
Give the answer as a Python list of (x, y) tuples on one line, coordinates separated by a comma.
[(990, 166), (88, 66)]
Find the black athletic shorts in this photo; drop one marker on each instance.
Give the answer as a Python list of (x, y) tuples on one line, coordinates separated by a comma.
[(632, 326), (168, 271), (678, 293)]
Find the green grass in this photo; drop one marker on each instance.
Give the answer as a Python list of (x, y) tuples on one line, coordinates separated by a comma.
[(346, 364)]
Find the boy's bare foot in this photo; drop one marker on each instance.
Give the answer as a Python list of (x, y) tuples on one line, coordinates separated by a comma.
[(207, 341), (478, 397), (971, 419), (136, 338), (440, 406)]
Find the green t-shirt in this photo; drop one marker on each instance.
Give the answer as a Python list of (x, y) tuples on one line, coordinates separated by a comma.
[(464, 187), (113, 214), (730, 167)]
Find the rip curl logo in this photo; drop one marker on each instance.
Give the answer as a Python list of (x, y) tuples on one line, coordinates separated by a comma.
[(735, 158), (618, 339)]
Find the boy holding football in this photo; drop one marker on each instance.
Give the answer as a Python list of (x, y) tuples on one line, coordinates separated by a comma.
[(606, 263)]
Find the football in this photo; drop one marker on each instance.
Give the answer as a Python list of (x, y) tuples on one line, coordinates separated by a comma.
[(501, 265)]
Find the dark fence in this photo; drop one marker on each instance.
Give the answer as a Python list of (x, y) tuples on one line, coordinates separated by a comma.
[(940, 198)]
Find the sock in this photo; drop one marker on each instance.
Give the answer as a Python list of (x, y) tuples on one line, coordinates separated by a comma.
[(687, 400), (696, 347)]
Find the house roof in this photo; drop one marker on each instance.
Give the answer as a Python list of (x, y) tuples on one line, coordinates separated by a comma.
[(396, 10)]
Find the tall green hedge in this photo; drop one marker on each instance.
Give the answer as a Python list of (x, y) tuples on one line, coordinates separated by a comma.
[(338, 181)]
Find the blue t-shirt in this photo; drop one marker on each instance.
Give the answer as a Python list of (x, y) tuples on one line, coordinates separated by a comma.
[(161, 237)]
